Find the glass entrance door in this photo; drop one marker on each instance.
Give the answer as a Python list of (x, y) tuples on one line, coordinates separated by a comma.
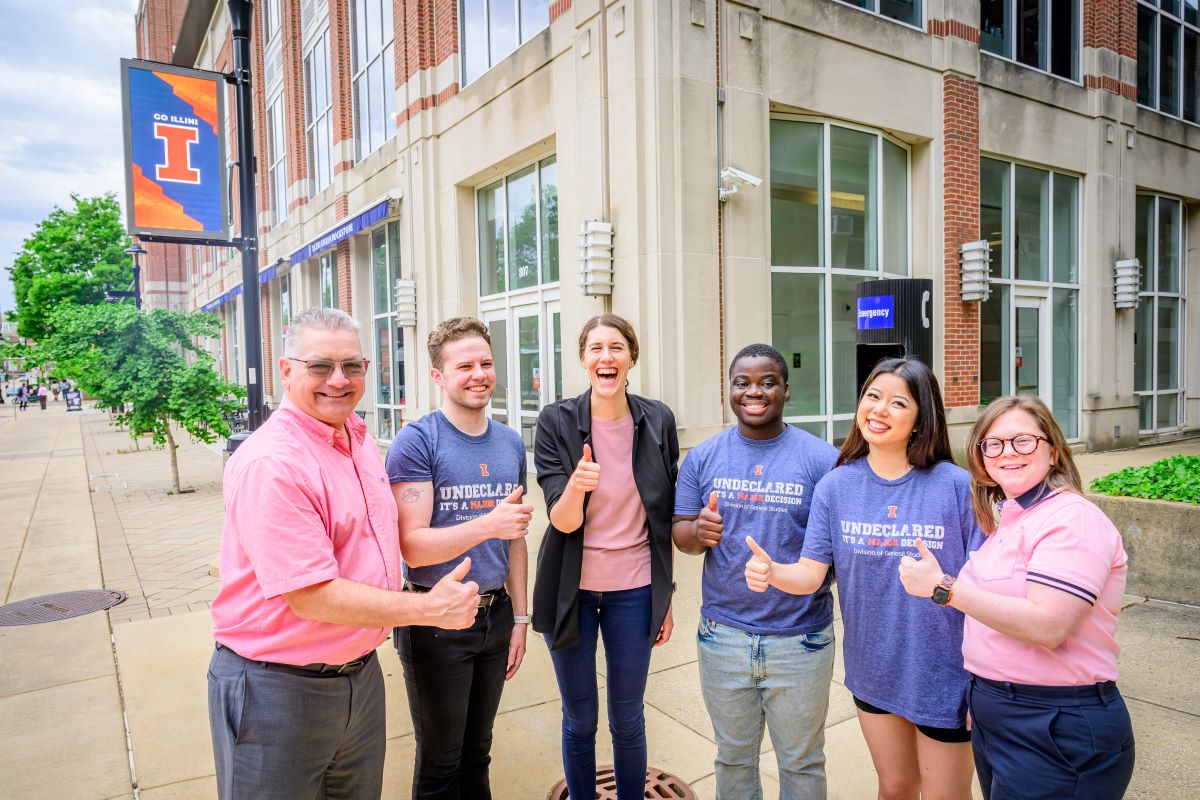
[(1030, 364), (530, 372), (498, 328), (527, 352)]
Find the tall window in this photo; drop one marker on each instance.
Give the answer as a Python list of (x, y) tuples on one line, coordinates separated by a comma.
[(518, 229), (235, 344), (1168, 68), (1158, 353), (1029, 327), (906, 11), (388, 335), (328, 269), (374, 69), (317, 116), (491, 29), (1043, 34), (277, 159), (839, 215)]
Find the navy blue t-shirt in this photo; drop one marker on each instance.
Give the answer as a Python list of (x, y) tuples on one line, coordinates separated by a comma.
[(763, 490), (470, 474), (903, 653)]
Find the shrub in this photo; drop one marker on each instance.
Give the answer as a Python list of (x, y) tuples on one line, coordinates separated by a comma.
[(1174, 478)]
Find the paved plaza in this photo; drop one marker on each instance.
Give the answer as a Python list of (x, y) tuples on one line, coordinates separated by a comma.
[(112, 704)]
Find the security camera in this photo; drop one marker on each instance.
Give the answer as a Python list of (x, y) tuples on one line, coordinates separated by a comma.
[(731, 178)]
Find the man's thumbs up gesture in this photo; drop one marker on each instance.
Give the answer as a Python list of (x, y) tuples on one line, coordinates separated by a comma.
[(510, 518), (587, 473), (920, 576), (452, 603), (709, 523), (758, 568)]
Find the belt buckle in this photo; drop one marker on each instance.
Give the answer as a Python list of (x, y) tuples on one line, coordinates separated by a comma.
[(486, 600), (351, 666)]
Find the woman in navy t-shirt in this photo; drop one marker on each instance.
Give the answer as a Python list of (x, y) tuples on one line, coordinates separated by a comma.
[(895, 482)]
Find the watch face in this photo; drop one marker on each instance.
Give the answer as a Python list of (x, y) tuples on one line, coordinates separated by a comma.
[(941, 595)]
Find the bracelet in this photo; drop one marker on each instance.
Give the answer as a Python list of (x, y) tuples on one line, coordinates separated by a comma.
[(521, 619)]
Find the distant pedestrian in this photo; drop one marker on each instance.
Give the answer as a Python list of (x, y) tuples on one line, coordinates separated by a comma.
[(54, 388), (22, 396), (43, 394)]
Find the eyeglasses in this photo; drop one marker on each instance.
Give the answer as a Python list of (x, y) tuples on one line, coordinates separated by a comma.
[(1022, 444), (354, 368)]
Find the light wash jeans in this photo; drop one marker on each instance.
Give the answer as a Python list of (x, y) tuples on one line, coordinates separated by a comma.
[(781, 682)]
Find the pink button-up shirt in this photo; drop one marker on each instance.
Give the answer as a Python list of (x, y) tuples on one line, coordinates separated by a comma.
[(302, 506)]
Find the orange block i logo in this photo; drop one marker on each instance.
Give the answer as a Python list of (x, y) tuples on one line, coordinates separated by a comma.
[(891, 512), (483, 470)]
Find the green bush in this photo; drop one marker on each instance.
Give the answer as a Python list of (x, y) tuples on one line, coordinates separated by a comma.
[(1174, 478)]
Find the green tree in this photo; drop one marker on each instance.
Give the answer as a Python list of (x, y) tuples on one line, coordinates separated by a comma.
[(73, 257), (121, 355)]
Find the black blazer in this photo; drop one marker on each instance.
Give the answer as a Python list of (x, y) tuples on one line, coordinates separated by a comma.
[(562, 429)]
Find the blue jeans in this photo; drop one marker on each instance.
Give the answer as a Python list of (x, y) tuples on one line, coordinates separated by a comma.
[(623, 619), (751, 681)]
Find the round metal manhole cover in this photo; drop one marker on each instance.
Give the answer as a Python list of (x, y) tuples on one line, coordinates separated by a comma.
[(53, 607), (659, 784)]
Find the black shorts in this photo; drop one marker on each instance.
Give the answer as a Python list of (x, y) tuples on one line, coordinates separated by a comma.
[(948, 735)]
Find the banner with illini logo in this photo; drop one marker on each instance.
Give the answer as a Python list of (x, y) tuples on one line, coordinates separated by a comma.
[(175, 175)]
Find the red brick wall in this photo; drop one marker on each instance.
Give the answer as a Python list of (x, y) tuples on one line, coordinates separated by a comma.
[(953, 27), (960, 179), (345, 292), (293, 89), (558, 8), (1111, 25), (156, 28)]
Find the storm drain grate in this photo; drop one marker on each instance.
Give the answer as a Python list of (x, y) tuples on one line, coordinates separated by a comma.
[(659, 785), (53, 607)]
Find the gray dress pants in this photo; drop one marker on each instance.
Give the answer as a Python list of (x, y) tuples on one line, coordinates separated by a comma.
[(292, 735)]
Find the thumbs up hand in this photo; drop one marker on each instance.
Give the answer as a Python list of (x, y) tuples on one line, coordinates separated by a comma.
[(920, 575), (587, 473), (758, 568), (452, 604), (510, 518), (709, 523)]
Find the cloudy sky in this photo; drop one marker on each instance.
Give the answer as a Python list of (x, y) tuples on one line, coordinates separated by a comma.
[(60, 110)]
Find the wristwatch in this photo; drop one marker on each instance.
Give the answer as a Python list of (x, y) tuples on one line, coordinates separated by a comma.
[(521, 619), (943, 591)]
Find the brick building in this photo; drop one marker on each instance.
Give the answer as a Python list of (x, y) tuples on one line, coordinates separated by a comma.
[(438, 148)]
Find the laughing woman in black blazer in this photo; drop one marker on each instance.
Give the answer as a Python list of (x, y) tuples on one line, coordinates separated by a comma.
[(606, 462)]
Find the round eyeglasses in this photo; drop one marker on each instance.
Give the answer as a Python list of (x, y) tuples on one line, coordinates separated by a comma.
[(1022, 444)]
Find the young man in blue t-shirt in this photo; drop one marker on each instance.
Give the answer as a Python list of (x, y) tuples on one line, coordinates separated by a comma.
[(457, 477), (762, 660)]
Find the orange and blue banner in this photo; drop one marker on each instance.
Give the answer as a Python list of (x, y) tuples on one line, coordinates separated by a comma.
[(176, 180)]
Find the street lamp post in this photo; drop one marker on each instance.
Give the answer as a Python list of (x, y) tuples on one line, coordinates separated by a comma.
[(135, 250)]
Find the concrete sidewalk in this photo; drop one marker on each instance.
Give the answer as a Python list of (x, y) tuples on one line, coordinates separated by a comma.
[(83, 511)]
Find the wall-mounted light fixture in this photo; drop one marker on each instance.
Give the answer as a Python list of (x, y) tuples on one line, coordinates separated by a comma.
[(975, 260), (595, 257), (1127, 277), (405, 298)]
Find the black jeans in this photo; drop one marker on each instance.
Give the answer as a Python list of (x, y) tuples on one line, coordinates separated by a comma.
[(454, 681)]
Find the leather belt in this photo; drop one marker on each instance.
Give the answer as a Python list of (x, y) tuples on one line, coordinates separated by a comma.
[(486, 599)]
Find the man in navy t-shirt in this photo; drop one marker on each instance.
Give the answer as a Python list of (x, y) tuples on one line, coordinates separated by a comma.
[(763, 658), (458, 477)]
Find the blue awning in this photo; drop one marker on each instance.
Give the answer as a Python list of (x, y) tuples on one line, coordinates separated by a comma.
[(268, 273), (214, 304), (345, 229)]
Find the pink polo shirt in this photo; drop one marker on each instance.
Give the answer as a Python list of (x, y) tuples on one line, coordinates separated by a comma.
[(302, 506), (1065, 542)]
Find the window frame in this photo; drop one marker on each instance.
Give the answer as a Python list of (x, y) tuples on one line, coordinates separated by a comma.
[(920, 26), (392, 257), (364, 144), (1161, 14), (538, 164), (1078, 47), (1153, 296), (318, 121), (277, 182), (487, 17)]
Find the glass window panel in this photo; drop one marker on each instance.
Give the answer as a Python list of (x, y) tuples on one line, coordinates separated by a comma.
[(362, 127), (867, 4), (895, 208), (994, 212), (1065, 358), (329, 280), (360, 34), (852, 198), (375, 92), (1064, 27), (383, 358), (389, 93), (522, 228), (908, 11), (385, 427), (398, 370), (815, 428), (797, 331), (841, 430), (535, 15), (1167, 344), (475, 39), (1191, 11), (796, 224), (1066, 230), (1146, 412), (1170, 5), (549, 209), (995, 348), (1144, 240), (844, 324), (1028, 353), (1168, 410), (995, 34), (393, 245), (379, 270), (1143, 346), (529, 362), (1168, 67), (502, 20), (558, 376), (1032, 223), (1168, 245), (374, 16), (1191, 76), (285, 302), (491, 239), (1146, 59), (498, 328), (1031, 33)]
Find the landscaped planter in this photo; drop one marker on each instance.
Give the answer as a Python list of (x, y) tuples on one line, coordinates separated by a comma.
[(1162, 539)]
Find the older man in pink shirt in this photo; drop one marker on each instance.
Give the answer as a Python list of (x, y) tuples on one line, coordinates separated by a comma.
[(310, 586)]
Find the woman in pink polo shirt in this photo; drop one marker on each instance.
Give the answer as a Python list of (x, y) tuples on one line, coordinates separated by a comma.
[(1041, 599)]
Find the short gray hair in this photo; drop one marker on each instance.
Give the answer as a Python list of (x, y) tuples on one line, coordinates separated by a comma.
[(329, 319)]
